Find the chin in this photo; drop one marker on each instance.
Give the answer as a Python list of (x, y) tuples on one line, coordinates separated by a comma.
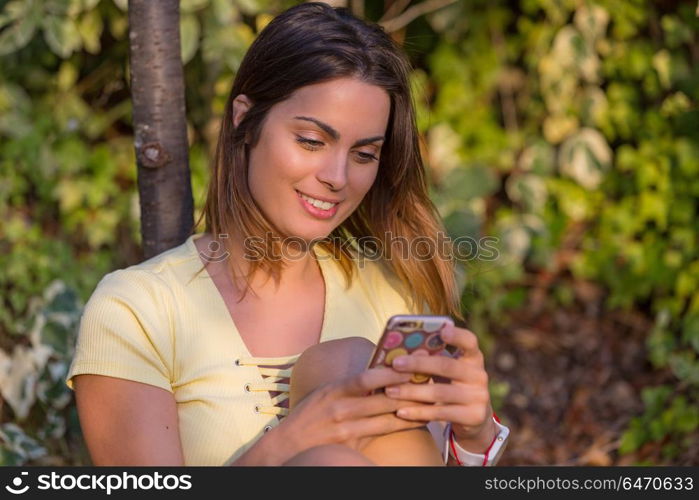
[(308, 234)]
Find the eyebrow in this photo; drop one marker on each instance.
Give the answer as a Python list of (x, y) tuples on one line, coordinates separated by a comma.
[(336, 135)]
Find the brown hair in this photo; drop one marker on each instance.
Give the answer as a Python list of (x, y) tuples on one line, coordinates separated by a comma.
[(311, 43)]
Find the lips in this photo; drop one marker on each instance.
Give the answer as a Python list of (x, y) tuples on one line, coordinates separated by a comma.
[(319, 197), (317, 212)]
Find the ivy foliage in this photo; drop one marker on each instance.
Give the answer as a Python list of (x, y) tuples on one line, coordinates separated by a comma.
[(566, 130), (69, 209), (571, 130)]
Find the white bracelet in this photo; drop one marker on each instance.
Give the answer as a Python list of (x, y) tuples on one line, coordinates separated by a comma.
[(489, 458)]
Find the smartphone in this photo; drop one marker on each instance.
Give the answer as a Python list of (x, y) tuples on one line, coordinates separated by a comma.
[(405, 334)]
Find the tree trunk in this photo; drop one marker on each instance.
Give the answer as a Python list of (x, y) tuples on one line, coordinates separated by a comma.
[(160, 127)]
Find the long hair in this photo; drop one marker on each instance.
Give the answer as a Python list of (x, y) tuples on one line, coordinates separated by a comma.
[(312, 43)]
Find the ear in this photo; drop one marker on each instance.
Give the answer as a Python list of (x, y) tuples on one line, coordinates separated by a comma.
[(241, 104)]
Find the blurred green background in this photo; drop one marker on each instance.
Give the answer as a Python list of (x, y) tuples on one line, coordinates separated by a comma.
[(566, 129)]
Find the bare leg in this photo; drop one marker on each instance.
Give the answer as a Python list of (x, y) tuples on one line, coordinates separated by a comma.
[(330, 454), (328, 361)]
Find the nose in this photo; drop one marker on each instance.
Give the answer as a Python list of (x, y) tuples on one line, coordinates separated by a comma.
[(334, 172)]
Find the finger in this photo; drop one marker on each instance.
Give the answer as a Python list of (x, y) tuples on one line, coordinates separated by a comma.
[(455, 369), (377, 426), (464, 339), (370, 380), (467, 415), (364, 406), (460, 394)]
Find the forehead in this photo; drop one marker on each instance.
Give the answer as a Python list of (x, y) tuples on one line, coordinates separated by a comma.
[(346, 103)]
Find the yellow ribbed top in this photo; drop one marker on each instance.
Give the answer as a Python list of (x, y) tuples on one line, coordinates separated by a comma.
[(156, 323)]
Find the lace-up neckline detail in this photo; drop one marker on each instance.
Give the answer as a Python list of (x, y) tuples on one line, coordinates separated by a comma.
[(276, 373)]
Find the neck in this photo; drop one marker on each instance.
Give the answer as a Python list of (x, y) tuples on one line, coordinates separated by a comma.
[(298, 264)]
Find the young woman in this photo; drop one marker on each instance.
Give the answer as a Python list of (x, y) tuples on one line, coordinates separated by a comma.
[(248, 343)]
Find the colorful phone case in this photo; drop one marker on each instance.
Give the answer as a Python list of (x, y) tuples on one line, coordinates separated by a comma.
[(405, 334)]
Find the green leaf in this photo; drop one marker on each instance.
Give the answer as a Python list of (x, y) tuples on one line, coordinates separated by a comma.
[(676, 32), (189, 36), (67, 76), (660, 345), (655, 398), (443, 145), (675, 104), (653, 207), (592, 21), (462, 223), (189, 6), (90, 4), (690, 331), (17, 446), (63, 8), (250, 7), (633, 438), (574, 201), (527, 189), (593, 106), (585, 157), (223, 11), (118, 26), (558, 127), (17, 35), (13, 11), (62, 35), (685, 366), (227, 43), (72, 112), (470, 182), (539, 158), (661, 64), (90, 29), (517, 234), (69, 195), (687, 421), (75, 7)]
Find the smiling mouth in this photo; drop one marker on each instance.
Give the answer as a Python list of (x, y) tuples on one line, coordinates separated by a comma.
[(322, 205)]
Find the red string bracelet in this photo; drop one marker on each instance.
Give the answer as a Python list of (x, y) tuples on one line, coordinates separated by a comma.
[(487, 452)]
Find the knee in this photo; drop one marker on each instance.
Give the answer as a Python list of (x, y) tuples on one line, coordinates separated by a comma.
[(348, 352), (326, 362), (330, 455)]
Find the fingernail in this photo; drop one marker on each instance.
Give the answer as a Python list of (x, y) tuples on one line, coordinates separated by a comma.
[(392, 391), (400, 362), (447, 335)]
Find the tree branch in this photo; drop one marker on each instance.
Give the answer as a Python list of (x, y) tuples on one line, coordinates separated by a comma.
[(414, 12)]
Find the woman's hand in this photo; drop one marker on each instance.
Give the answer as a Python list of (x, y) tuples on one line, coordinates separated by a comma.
[(344, 412), (465, 401)]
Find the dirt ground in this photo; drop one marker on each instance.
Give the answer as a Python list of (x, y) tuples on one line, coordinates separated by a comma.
[(575, 378)]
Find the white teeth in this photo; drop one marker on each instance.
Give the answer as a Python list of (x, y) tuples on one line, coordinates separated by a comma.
[(323, 205)]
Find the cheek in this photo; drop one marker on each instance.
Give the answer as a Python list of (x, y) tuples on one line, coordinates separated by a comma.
[(363, 178), (285, 162), (293, 163), (271, 168)]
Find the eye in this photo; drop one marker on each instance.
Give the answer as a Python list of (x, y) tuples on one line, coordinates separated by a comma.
[(368, 157), (314, 145), (310, 143)]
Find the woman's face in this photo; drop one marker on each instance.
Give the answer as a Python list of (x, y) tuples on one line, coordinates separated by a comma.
[(317, 155)]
